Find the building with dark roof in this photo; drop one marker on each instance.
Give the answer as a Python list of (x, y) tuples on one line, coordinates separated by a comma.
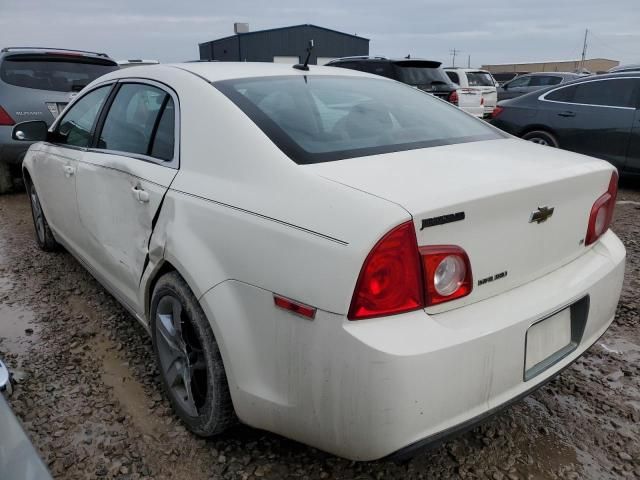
[(284, 45)]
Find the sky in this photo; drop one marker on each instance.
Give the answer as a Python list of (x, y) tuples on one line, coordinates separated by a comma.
[(489, 31)]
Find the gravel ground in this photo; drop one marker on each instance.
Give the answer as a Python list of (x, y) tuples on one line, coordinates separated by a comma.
[(89, 395)]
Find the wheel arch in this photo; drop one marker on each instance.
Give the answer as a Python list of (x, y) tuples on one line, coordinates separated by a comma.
[(537, 127)]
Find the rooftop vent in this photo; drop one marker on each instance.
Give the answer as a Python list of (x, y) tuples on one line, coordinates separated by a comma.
[(241, 27)]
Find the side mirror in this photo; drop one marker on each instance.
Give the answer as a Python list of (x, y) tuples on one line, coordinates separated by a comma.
[(32, 131), (505, 86), (5, 382)]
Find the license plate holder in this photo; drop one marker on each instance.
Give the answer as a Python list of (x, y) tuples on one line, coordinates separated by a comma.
[(553, 337)]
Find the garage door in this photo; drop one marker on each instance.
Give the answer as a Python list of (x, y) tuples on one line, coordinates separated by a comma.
[(285, 59), (325, 60)]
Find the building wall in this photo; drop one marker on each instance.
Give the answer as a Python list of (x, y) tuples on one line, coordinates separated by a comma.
[(262, 46), (592, 64)]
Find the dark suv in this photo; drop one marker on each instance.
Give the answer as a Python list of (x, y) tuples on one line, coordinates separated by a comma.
[(36, 84), (426, 75)]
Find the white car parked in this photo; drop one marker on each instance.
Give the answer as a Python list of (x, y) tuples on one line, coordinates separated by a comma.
[(478, 81), (329, 255)]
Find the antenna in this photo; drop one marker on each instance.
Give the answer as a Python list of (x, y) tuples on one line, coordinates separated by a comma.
[(584, 50), (306, 62)]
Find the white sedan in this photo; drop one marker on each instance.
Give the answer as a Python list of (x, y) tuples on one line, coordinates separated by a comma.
[(329, 255)]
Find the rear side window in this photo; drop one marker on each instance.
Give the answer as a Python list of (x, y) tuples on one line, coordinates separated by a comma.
[(163, 143), (545, 80), (453, 76), (611, 93), (76, 127), (135, 114), (58, 74), (316, 119)]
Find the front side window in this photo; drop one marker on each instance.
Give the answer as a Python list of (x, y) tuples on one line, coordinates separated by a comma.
[(519, 82), (609, 93), (76, 127), (316, 119), (133, 118)]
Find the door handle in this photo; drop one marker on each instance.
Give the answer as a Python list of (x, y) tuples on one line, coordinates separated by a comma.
[(140, 195), (567, 114), (69, 171)]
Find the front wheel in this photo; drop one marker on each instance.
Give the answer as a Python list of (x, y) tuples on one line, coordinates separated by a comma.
[(6, 178), (44, 236), (188, 358), (541, 138)]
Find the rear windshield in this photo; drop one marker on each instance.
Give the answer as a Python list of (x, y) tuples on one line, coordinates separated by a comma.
[(421, 75), (480, 79), (54, 74), (316, 119)]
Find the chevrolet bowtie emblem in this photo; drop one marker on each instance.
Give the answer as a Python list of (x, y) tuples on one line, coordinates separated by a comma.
[(541, 214)]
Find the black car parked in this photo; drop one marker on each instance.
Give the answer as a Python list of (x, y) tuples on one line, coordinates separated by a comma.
[(533, 81), (596, 115), (426, 75)]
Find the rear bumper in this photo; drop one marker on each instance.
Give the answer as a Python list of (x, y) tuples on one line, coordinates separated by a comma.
[(475, 111), (366, 389)]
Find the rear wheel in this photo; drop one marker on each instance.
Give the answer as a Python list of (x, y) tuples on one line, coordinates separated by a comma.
[(541, 138), (188, 358), (44, 236), (6, 178)]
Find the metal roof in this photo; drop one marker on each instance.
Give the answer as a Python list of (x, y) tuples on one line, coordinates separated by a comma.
[(285, 28)]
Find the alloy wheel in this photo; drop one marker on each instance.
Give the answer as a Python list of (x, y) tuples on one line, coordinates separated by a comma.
[(182, 359), (38, 216)]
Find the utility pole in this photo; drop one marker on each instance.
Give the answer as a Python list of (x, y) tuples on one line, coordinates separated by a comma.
[(453, 52), (469, 61), (584, 50)]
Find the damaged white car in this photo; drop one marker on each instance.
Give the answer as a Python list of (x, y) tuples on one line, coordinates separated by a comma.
[(329, 255)]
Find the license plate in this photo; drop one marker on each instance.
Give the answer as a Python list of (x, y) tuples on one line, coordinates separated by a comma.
[(547, 342)]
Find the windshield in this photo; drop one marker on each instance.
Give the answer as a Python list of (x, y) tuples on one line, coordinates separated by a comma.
[(323, 118), (480, 79), (59, 75), (421, 75)]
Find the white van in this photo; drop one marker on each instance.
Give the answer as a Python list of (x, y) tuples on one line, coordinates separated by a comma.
[(481, 81)]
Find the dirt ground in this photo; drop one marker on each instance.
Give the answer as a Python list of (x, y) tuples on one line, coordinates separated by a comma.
[(89, 395)]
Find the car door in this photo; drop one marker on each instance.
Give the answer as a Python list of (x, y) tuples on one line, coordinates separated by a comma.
[(122, 180), (593, 117), (56, 164), (632, 164), (514, 88)]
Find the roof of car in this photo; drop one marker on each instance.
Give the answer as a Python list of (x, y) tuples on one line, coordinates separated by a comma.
[(52, 50), (216, 71)]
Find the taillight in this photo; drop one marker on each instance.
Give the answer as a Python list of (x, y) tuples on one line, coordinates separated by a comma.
[(5, 119), (602, 212), (496, 111), (482, 101), (447, 273), (398, 277), (390, 281), (453, 97)]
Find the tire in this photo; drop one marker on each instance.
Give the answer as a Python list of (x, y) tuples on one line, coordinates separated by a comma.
[(6, 178), (541, 138), (44, 236), (188, 358)]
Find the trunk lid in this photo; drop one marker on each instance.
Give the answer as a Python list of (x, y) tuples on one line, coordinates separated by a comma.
[(498, 185)]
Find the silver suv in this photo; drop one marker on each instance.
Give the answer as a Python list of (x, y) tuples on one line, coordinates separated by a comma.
[(36, 84)]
